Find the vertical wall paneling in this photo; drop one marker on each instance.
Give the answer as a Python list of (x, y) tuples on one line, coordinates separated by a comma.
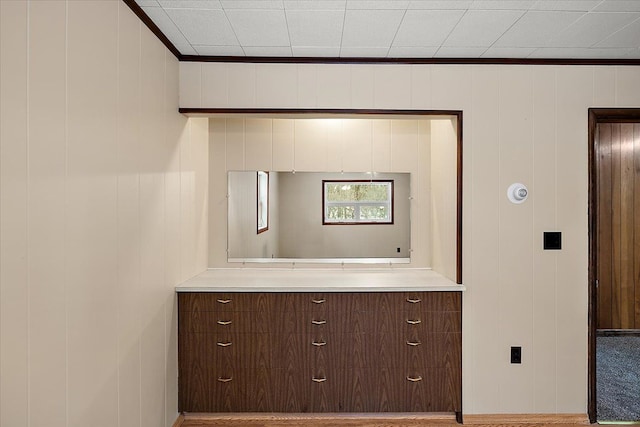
[(516, 233), (90, 219), (14, 303), (91, 201), (618, 225), (130, 296), (217, 193), (46, 213), (153, 211), (258, 144), (174, 232), (307, 86), (334, 87), (573, 98), (200, 150), (481, 391), (544, 185), (362, 83)]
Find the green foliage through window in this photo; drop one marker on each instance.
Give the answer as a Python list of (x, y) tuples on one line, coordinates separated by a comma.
[(353, 202)]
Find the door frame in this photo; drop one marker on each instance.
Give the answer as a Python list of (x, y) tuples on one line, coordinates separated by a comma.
[(596, 116)]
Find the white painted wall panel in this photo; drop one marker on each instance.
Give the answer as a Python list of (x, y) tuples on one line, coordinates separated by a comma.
[(91, 219), (14, 274), (46, 214)]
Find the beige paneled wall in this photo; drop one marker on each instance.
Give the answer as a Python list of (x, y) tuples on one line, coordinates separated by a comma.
[(103, 210), (331, 145), (520, 124)]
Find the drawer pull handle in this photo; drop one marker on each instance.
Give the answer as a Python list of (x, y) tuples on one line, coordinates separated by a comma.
[(414, 322), (319, 344), (224, 344), (413, 343), (318, 322), (224, 322), (318, 301), (414, 379), (225, 380), (224, 301), (318, 380), (414, 301)]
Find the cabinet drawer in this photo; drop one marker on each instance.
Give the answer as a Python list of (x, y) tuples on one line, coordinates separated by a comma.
[(215, 301), (218, 322)]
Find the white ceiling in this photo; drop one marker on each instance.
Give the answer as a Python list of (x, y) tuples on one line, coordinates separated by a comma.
[(592, 29)]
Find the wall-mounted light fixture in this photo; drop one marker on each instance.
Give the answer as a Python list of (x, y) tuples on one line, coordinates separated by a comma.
[(517, 193)]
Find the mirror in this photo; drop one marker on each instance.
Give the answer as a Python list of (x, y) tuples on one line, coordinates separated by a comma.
[(331, 217)]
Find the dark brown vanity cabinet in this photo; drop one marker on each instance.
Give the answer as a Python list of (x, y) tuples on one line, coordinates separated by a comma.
[(320, 352)]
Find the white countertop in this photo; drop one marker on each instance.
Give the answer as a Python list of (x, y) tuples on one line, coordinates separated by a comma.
[(318, 280)]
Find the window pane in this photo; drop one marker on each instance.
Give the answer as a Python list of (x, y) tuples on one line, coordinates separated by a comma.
[(359, 192), (374, 212), (341, 213)]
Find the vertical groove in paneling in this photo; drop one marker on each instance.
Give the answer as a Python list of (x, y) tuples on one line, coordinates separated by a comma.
[(13, 214)]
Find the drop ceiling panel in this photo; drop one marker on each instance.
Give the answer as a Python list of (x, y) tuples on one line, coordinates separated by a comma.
[(626, 37), (618, 6), (401, 28), (480, 28), (196, 26), (426, 27), (591, 29), (535, 28), (370, 28), (320, 28), (255, 27)]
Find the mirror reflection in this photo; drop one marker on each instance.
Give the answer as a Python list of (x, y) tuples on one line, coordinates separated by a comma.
[(318, 215)]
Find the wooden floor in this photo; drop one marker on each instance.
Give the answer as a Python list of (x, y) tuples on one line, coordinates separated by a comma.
[(346, 420)]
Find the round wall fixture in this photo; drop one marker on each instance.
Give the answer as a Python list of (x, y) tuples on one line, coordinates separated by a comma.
[(517, 193)]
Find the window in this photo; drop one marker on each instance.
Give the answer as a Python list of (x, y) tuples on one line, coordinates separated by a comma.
[(263, 201), (357, 202)]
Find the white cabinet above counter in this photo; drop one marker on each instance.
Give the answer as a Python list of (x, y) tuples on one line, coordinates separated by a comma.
[(318, 280)]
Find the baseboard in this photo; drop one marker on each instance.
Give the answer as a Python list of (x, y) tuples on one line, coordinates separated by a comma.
[(525, 419), (179, 421), (378, 417), (618, 332)]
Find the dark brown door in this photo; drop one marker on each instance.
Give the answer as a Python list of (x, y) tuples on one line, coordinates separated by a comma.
[(618, 252)]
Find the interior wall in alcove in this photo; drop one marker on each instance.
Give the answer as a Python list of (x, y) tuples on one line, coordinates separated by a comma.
[(335, 145)]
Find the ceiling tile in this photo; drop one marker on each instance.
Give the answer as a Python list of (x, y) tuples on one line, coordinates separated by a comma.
[(634, 54), (572, 52), (508, 52), (316, 51), (190, 4), (479, 28), (186, 49), (460, 52), (370, 28), (196, 26), (426, 27), (267, 50), (252, 4), (315, 4), (591, 29), (411, 52), (567, 5), (148, 3), (219, 50), (618, 6), (439, 4), (315, 28), (259, 27), (502, 4), (536, 27), (378, 4), (166, 25), (363, 52), (629, 36)]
